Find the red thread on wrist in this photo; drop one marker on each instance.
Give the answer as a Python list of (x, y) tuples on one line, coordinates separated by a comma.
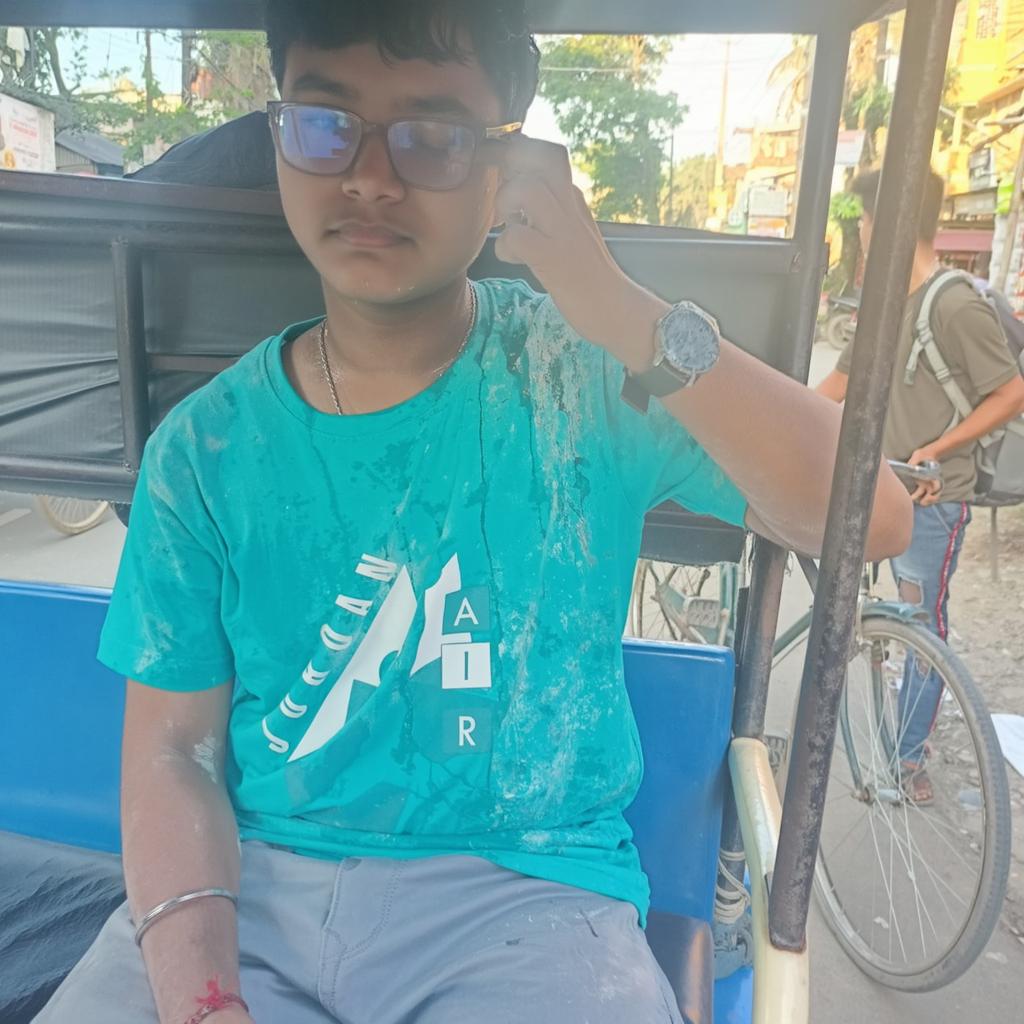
[(215, 1000)]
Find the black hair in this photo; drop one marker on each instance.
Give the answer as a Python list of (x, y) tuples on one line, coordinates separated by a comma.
[(426, 29), (866, 183)]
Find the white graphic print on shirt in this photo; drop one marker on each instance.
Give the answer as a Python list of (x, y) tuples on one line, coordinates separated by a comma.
[(465, 663)]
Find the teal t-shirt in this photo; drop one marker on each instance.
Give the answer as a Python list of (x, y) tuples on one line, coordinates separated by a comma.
[(421, 608)]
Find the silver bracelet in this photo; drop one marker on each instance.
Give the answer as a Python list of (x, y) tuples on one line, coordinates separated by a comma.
[(173, 903)]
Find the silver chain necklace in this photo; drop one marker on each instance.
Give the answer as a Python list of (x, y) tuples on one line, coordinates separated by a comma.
[(329, 376)]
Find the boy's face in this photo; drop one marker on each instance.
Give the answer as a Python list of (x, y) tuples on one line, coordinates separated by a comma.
[(369, 235)]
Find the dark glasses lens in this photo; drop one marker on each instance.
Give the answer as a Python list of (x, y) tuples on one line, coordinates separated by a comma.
[(432, 154), (318, 140), (425, 154)]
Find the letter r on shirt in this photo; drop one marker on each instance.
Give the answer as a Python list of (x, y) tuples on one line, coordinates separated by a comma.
[(468, 730)]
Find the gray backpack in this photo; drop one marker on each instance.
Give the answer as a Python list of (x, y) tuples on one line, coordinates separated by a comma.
[(999, 456)]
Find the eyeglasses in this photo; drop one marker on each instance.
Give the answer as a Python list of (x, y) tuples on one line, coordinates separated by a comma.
[(425, 153)]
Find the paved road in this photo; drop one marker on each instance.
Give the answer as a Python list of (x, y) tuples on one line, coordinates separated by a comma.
[(992, 991), (31, 549)]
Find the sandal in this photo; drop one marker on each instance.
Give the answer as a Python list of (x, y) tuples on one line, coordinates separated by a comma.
[(916, 784)]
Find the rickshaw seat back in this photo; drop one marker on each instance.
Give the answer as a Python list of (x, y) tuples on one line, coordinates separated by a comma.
[(682, 700), (65, 790)]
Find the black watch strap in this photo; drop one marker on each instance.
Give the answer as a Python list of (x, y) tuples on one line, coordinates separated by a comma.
[(661, 380)]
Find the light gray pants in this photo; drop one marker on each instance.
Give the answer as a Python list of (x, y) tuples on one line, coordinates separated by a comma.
[(444, 940)]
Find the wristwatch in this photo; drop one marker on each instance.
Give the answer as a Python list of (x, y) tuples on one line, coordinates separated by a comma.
[(686, 346)]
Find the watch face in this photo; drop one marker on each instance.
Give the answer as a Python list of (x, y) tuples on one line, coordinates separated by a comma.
[(690, 339)]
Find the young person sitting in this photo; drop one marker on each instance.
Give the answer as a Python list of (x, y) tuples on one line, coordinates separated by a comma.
[(371, 601)]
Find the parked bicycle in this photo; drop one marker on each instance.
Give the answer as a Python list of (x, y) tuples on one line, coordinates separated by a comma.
[(910, 878)]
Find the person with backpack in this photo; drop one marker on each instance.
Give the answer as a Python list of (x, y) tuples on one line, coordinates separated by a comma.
[(955, 384)]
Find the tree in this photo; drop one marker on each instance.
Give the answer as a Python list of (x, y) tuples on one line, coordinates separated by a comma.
[(37, 66), (845, 210), (602, 91), (792, 76), (235, 71), (226, 74), (869, 108), (688, 195)]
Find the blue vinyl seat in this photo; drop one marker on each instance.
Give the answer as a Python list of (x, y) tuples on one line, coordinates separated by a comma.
[(59, 777)]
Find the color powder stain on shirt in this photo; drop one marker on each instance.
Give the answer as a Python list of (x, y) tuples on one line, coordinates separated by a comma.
[(427, 660)]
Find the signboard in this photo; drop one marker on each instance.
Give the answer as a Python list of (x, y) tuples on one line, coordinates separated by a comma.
[(980, 203), (26, 137), (850, 148), (981, 169), (767, 201)]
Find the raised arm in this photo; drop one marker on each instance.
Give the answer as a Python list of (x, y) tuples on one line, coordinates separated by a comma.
[(775, 439), (179, 835)]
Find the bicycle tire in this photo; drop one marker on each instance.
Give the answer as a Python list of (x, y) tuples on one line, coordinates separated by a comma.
[(668, 602), (947, 964), (72, 516)]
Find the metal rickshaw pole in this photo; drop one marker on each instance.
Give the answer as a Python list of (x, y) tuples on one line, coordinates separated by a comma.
[(760, 618), (908, 150)]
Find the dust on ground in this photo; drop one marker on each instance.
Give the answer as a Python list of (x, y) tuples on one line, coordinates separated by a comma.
[(987, 630)]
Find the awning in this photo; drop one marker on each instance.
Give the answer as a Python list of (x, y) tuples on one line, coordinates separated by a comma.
[(964, 240)]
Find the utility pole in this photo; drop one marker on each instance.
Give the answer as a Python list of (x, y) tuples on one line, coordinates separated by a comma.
[(722, 115), (669, 219), (187, 66), (147, 71), (1012, 221)]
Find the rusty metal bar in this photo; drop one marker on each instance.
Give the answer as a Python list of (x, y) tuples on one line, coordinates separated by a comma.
[(915, 108)]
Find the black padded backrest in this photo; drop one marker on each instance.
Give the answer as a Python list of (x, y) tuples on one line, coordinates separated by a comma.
[(220, 272)]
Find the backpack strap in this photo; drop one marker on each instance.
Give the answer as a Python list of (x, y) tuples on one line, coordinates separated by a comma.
[(924, 342)]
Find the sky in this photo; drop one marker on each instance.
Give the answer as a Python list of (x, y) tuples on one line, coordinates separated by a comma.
[(694, 73)]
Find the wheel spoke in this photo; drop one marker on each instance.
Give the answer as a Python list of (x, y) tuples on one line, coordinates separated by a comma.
[(901, 881)]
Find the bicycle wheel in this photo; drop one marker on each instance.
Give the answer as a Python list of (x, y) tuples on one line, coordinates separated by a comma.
[(912, 890), (668, 603), (72, 515)]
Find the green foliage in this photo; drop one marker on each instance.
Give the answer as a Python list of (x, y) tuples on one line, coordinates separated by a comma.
[(845, 206), (618, 125), (845, 210), (687, 201), (43, 70), (237, 64), (868, 107), (167, 126)]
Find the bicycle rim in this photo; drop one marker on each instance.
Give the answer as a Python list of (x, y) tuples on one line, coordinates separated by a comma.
[(651, 613), (912, 891), (72, 515)]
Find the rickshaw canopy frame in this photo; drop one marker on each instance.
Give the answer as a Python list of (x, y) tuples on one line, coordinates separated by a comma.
[(546, 16), (915, 106)]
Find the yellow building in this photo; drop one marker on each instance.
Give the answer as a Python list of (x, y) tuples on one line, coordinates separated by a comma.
[(986, 61)]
